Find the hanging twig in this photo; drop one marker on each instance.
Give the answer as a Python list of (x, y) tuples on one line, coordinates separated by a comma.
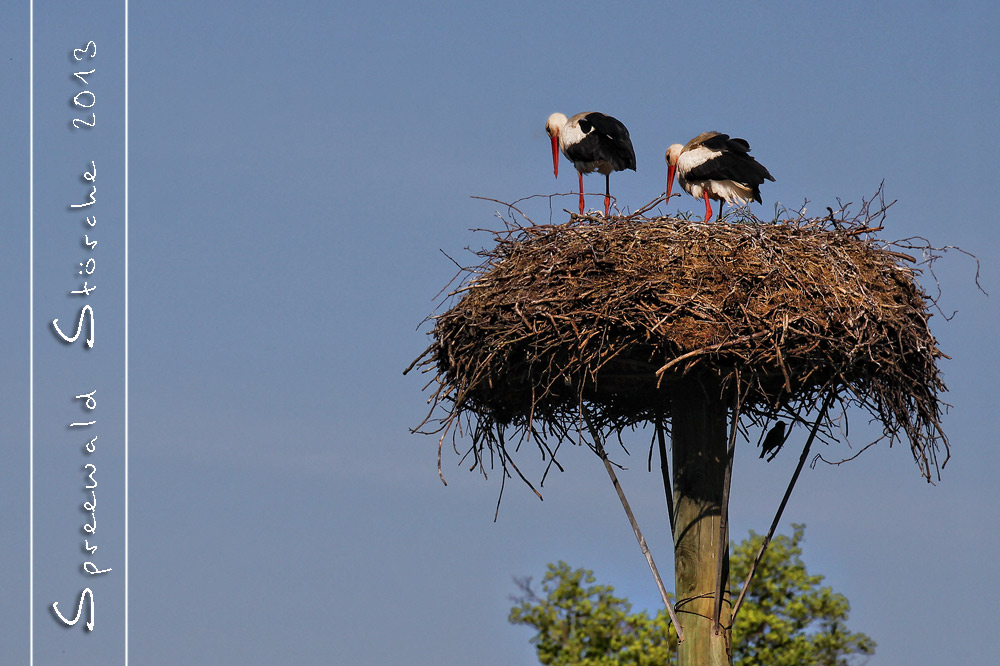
[(784, 500), (599, 446), (665, 473)]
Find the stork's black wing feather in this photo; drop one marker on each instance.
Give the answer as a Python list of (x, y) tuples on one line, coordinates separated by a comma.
[(731, 166), (716, 141), (733, 163), (612, 138), (723, 143)]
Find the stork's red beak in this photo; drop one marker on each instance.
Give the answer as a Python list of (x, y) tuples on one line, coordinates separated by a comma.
[(671, 168), (555, 153)]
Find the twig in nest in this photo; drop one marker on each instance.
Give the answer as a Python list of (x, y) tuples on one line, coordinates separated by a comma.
[(862, 230), (648, 207), (509, 206), (837, 463), (900, 255), (709, 348)]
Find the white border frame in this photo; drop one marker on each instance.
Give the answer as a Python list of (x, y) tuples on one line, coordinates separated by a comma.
[(31, 333)]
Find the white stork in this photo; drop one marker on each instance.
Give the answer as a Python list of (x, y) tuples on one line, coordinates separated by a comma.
[(592, 142), (713, 166)]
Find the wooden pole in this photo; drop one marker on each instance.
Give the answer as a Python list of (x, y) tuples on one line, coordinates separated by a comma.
[(700, 438)]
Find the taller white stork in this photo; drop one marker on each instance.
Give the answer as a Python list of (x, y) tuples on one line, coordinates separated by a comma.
[(592, 141), (713, 166)]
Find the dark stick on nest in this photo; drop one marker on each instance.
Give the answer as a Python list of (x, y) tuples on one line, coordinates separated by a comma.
[(665, 473)]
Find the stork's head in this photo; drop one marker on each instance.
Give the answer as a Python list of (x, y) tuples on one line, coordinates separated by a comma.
[(553, 125), (673, 153)]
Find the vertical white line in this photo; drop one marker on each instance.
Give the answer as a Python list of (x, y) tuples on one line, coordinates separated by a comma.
[(31, 332), (126, 332)]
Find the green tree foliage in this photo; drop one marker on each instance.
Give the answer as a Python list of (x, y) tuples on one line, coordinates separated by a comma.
[(788, 618)]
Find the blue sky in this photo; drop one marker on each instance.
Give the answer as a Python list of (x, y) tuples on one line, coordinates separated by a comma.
[(294, 175)]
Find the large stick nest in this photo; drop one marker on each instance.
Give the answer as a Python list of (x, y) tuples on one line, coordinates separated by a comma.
[(601, 318)]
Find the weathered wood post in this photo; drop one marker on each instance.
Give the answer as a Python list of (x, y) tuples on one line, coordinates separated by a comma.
[(699, 458)]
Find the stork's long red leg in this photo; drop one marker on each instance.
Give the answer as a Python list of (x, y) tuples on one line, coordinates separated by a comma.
[(581, 191), (708, 206), (607, 194)]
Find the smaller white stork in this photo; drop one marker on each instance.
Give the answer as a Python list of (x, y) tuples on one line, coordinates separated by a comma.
[(713, 166), (592, 141)]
